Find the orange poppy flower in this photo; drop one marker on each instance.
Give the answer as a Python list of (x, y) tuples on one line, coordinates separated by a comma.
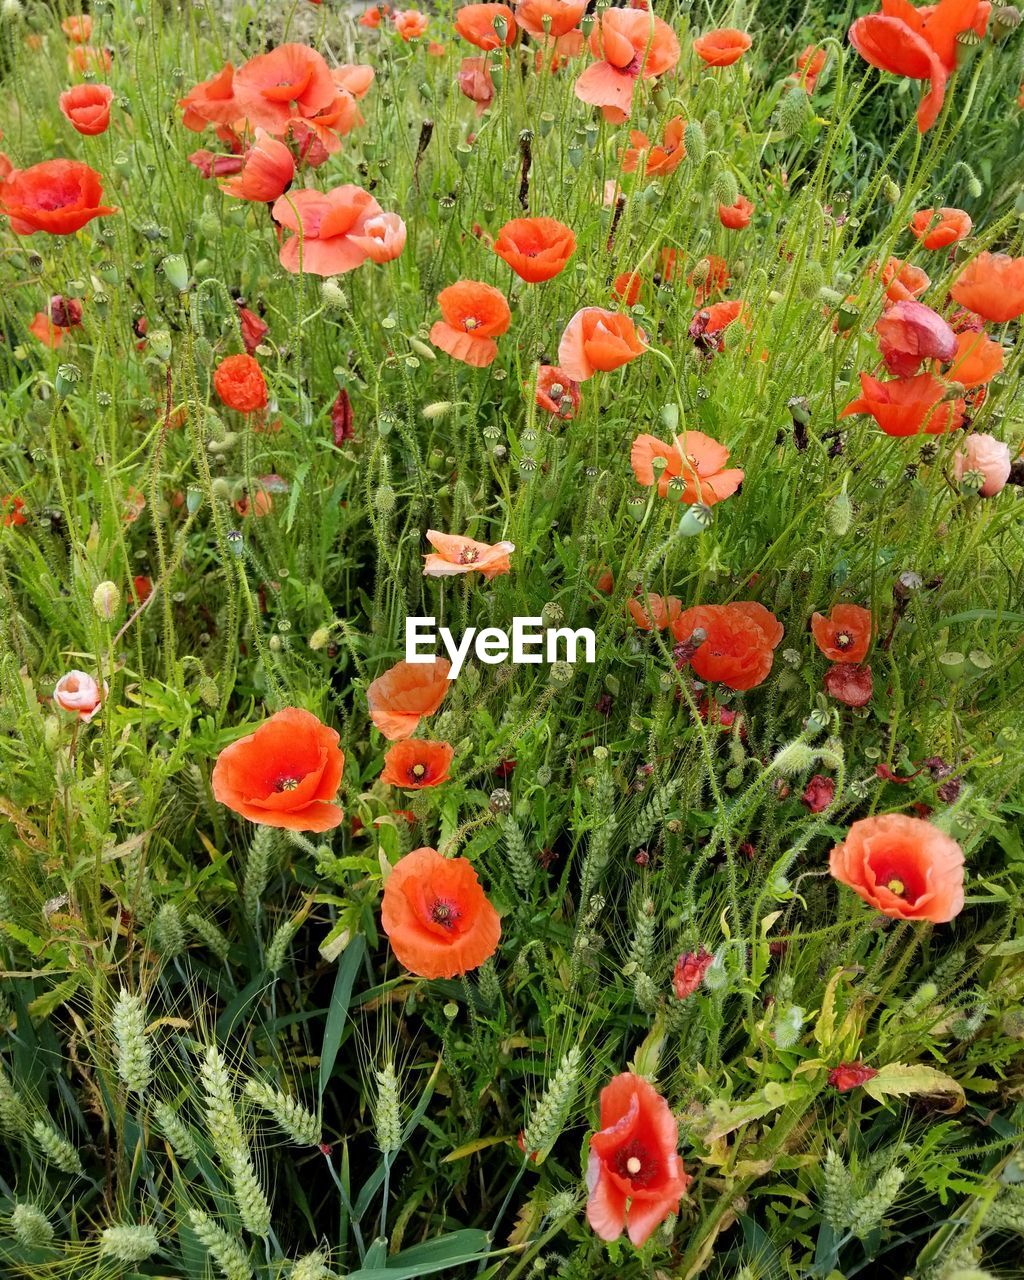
[(920, 44), (410, 23), (845, 635), (87, 108), (992, 286), (285, 774), (257, 505), (405, 693), (652, 612), (476, 23), (474, 315), (740, 642), (904, 867), (56, 196), (239, 382), (630, 44), (562, 16), (454, 554), (371, 17), (556, 392), (694, 458), (267, 171), (809, 66), (84, 58), (43, 328), (937, 228), (327, 226), (78, 28), (355, 78), (212, 102), (723, 47), (596, 341), (635, 1175), (536, 249), (712, 272), (978, 359), (290, 81), (437, 917), (662, 159), (908, 406), (902, 282), (737, 215), (415, 764), (628, 286)]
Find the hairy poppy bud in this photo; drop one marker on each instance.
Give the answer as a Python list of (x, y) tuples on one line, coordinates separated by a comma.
[(106, 600), (794, 758), (695, 141), (840, 511), (724, 189), (384, 499), (319, 639), (890, 191), (792, 111)]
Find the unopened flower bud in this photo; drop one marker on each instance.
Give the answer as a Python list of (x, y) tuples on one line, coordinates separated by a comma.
[(106, 600), (794, 758)]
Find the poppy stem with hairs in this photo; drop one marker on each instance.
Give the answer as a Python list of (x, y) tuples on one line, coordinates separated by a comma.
[(676, 384)]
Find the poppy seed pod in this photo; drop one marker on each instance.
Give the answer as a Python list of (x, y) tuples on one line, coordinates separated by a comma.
[(1005, 20), (175, 268), (952, 664), (68, 377)]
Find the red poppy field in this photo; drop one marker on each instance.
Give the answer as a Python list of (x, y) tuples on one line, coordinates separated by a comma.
[(687, 941)]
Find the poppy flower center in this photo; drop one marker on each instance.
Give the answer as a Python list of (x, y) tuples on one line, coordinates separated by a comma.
[(444, 913), (897, 887), (471, 323), (417, 771), (54, 198), (634, 1163), (844, 640), (469, 555), (635, 67), (286, 784)]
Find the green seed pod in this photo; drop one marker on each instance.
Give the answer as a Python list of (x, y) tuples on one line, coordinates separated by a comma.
[(175, 268), (952, 664)]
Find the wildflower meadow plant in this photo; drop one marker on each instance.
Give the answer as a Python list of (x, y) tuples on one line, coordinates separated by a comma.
[(663, 365)]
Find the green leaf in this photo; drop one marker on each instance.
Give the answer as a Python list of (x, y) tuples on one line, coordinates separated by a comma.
[(454, 1250), (900, 1078), (728, 1116), (338, 1015)]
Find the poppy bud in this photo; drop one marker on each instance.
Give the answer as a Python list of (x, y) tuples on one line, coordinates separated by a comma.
[(160, 344), (384, 499), (734, 777), (890, 191), (724, 189), (106, 600), (175, 268), (463, 154), (123, 164), (695, 141), (421, 348), (670, 416), (792, 111), (794, 758), (209, 224)]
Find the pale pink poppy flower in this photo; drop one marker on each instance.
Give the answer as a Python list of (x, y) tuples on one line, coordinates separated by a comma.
[(454, 554), (988, 457), (78, 692)]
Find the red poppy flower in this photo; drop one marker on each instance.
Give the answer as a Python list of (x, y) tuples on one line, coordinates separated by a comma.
[(904, 867), (382, 238), (902, 281), (56, 196), (437, 917), (908, 406), (254, 329), (476, 23), (630, 44), (66, 313), (404, 694), (267, 171), (560, 17), (634, 1174), (556, 392), (453, 555), (819, 793), (740, 642), (11, 507), (627, 287), (920, 44), (810, 63), (845, 635), (290, 81), (737, 215), (596, 341), (43, 328), (992, 286), (722, 48), (977, 360), (850, 1075), (327, 226), (536, 249), (657, 160), (85, 59), (285, 774), (938, 228), (910, 333), (474, 315), (849, 683), (239, 382), (695, 459), (143, 586), (415, 764), (212, 101), (87, 108), (650, 611), (689, 972), (371, 17), (78, 28)]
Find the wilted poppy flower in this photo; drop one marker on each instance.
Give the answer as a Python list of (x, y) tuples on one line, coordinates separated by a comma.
[(454, 555), (11, 508), (984, 456), (653, 612), (211, 165), (437, 917), (66, 313), (56, 196), (405, 693), (476, 83), (992, 286), (43, 328), (326, 226), (267, 171), (937, 228), (560, 16), (708, 326), (920, 44), (819, 793), (740, 641), (658, 160), (904, 867), (556, 392), (695, 459), (737, 215), (849, 683), (850, 1075), (79, 693), (977, 360), (630, 44), (410, 23), (845, 635), (476, 23), (908, 406), (596, 341), (474, 315), (290, 81), (87, 108), (689, 972), (239, 382), (910, 333), (415, 764), (810, 63), (635, 1176), (536, 249), (285, 774), (902, 282), (627, 287), (253, 328), (723, 47), (709, 276), (78, 28)]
